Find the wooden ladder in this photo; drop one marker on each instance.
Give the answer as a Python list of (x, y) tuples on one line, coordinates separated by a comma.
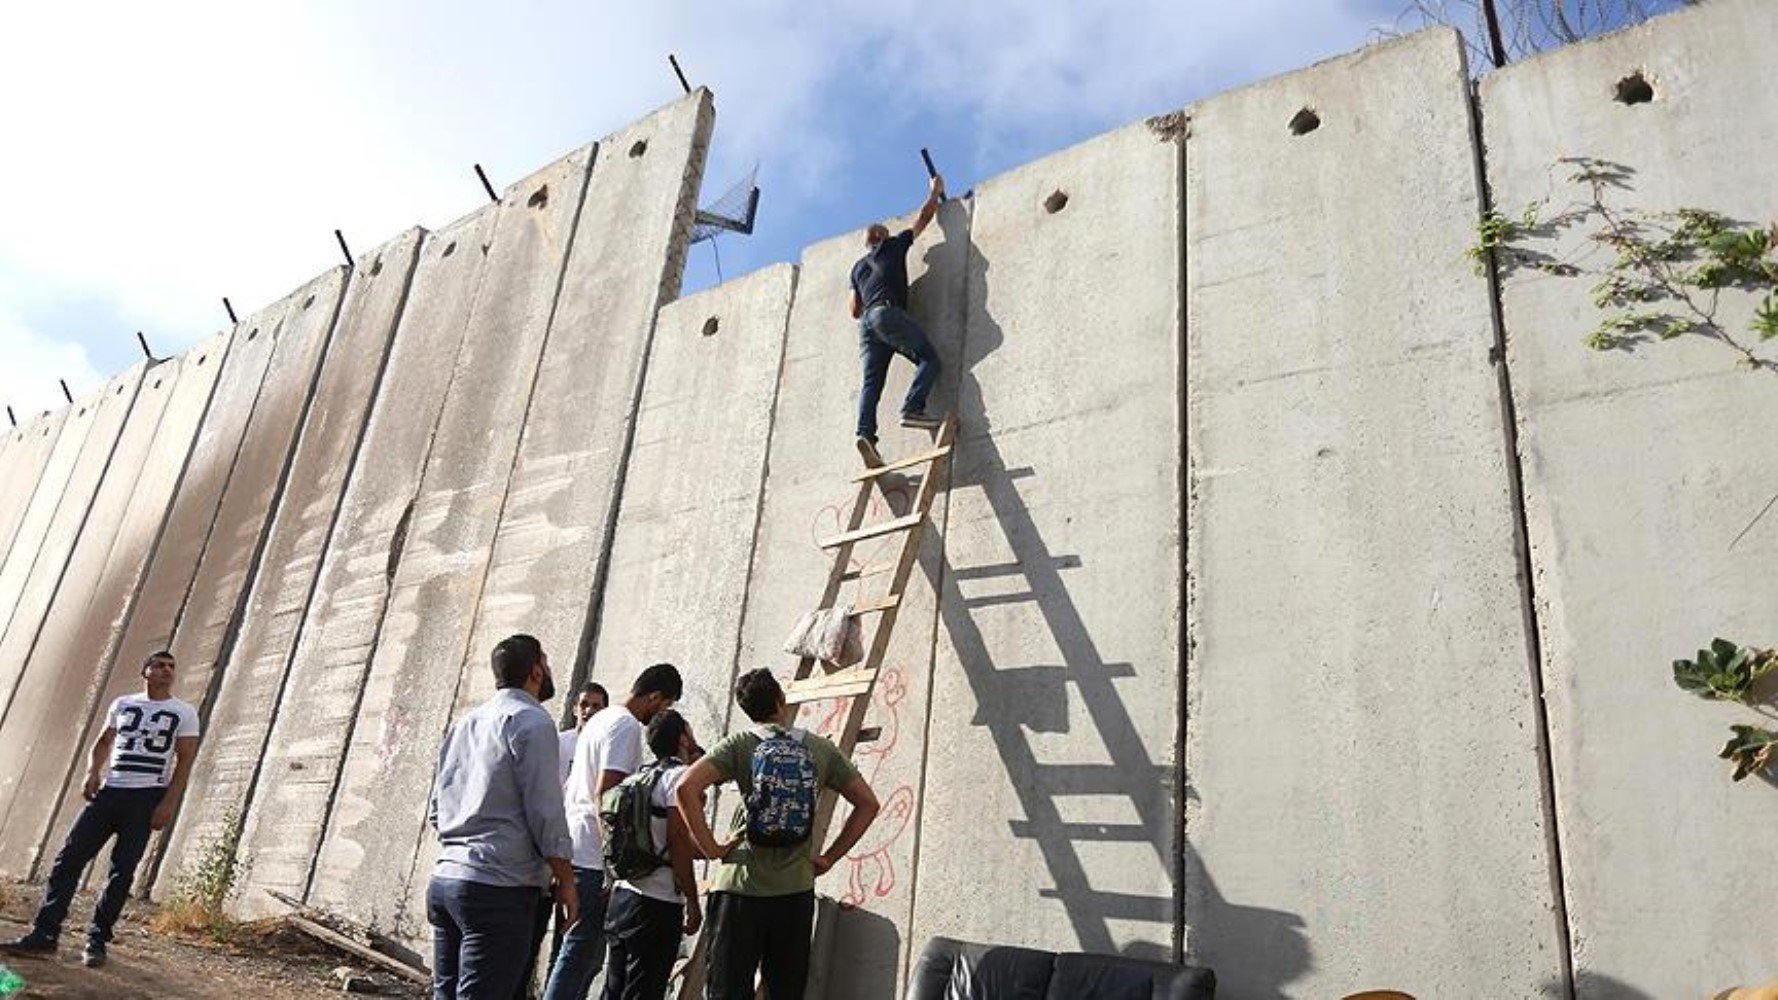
[(813, 681)]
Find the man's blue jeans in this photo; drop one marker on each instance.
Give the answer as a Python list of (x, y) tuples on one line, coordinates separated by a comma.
[(479, 936), (883, 332), (124, 813), (583, 947)]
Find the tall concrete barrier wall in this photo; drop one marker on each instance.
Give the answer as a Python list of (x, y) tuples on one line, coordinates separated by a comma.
[(1274, 616), (807, 497), (315, 714), (72, 652), (1054, 706), (253, 669), (684, 539), (1361, 739), (102, 416), (367, 853), (1645, 473)]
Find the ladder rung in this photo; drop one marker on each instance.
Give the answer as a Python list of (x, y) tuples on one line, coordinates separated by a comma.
[(875, 569), (902, 463), (843, 684), (874, 531), (883, 603)]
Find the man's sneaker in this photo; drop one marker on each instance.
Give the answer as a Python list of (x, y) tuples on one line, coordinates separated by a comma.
[(29, 945), (919, 420), (94, 955), (867, 448)]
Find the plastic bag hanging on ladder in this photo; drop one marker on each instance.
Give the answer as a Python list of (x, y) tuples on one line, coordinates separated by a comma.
[(832, 635)]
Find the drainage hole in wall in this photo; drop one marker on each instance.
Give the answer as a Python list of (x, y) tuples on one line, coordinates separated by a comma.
[(119, 391), (1634, 89), (201, 359), (1057, 201), (637, 148), (450, 248), (308, 302), (1304, 122), (253, 333), (376, 267), (157, 383), (539, 198), (710, 326), (82, 412)]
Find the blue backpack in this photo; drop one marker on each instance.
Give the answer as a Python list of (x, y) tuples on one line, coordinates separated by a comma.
[(781, 797)]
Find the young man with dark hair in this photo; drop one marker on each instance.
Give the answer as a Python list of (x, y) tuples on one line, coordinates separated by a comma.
[(497, 806), (136, 773), (650, 912), (880, 305), (762, 900), (609, 748)]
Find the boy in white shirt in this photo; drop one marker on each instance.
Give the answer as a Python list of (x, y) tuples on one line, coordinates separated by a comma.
[(135, 775)]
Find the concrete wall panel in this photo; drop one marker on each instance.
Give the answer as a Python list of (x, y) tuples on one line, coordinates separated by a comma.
[(314, 718), (1361, 738), (1642, 470), (1054, 702), (685, 536), (46, 499), (79, 634), (368, 850), (807, 495), (103, 414), (247, 694), (27, 449)]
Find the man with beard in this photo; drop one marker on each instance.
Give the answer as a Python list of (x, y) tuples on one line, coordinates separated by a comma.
[(497, 807)]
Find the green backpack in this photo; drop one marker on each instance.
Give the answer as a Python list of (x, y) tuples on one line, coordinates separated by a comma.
[(627, 810)]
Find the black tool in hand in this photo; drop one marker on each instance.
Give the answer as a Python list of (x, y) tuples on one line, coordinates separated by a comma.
[(931, 171)]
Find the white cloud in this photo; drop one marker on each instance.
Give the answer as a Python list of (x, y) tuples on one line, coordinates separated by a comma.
[(34, 361)]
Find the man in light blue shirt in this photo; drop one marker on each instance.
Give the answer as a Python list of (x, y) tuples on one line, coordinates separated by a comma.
[(497, 807)]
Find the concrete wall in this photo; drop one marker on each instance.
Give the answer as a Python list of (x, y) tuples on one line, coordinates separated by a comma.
[(246, 694), (1642, 470), (1220, 642), (315, 715), (1357, 625), (73, 649)]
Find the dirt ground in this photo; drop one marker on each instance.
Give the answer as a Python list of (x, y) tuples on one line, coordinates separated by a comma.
[(274, 964)]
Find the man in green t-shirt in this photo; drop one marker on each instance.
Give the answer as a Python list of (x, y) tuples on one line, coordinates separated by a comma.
[(762, 898)]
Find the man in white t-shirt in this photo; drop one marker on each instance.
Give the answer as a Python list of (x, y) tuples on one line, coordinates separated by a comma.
[(608, 749), (135, 775), (648, 914), (591, 701)]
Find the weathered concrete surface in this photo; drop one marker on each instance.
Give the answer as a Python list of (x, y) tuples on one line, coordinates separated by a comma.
[(148, 624), (27, 450), (46, 498), (1055, 687), (314, 717), (100, 417), (1361, 744), (807, 495), (1641, 469), (52, 692), (555, 524), (80, 633), (367, 853), (691, 497), (252, 678)]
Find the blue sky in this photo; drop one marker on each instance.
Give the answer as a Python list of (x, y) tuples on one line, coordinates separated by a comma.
[(161, 156)]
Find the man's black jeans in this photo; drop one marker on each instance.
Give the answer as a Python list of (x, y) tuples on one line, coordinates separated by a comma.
[(479, 936), (768, 933), (641, 942), (124, 813)]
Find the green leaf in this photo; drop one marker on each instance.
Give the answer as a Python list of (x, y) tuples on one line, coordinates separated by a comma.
[(1751, 749)]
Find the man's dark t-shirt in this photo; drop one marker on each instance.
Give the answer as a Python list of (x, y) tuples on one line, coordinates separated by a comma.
[(882, 274)]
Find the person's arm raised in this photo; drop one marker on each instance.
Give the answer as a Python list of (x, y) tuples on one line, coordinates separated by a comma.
[(935, 192)]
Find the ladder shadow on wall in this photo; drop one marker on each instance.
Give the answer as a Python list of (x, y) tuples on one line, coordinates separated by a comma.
[(1013, 700)]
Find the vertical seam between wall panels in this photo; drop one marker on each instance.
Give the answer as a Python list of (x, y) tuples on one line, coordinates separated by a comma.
[(906, 959), (1509, 427), (1180, 777), (158, 853), (475, 608), (102, 671), (302, 619), (672, 272), (400, 541)]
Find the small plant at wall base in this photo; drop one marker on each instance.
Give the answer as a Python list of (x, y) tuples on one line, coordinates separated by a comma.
[(203, 891), (1730, 672), (1665, 273)]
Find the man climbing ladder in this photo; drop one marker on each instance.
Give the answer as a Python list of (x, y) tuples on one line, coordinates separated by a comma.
[(880, 303)]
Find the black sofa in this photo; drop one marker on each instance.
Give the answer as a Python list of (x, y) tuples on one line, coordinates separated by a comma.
[(959, 970)]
